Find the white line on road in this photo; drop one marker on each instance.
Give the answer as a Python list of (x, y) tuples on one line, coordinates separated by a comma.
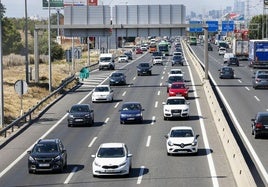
[(161, 84), (239, 81), (247, 88), (92, 141), (156, 104), (148, 141), (140, 175), (70, 175), (153, 120), (162, 77), (164, 72), (158, 93), (106, 121), (124, 93), (115, 106), (256, 98), (134, 78)]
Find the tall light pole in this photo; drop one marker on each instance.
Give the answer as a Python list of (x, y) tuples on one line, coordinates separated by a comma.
[(49, 51), (26, 45), (1, 72)]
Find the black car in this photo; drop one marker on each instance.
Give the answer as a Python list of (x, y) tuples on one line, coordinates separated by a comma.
[(226, 73), (177, 60), (233, 61), (117, 78), (80, 114), (260, 124), (129, 54), (144, 68), (47, 155)]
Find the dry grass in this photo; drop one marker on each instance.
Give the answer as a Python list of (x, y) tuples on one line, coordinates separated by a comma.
[(14, 69)]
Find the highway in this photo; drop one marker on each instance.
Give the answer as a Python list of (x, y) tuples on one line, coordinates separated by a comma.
[(151, 167), (242, 102)]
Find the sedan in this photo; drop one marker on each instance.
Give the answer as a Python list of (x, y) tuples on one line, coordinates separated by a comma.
[(178, 88), (181, 140), (144, 68), (112, 159), (226, 73), (260, 124), (102, 93), (117, 78), (131, 112), (139, 51), (177, 60), (80, 114), (233, 61)]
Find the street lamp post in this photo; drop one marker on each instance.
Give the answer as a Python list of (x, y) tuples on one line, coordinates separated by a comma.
[(206, 51), (49, 51), (26, 45), (1, 72)]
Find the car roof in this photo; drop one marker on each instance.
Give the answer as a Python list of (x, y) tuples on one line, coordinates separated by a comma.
[(103, 85), (181, 128), (130, 102), (263, 113), (48, 140), (109, 145)]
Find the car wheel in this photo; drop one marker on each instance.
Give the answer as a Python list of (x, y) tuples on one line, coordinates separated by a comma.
[(30, 171), (94, 176), (165, 118), (169, 154), (257, 135)]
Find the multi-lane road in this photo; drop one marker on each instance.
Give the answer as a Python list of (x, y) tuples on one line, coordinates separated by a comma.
[(242, 102), (151, 165)]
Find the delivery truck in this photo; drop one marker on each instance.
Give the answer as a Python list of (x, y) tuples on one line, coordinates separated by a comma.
[(258, 53), (240, 48)]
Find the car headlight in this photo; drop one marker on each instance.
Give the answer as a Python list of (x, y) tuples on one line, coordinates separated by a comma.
[(172, 92), (170, 143), (167, 110), (138, 114), (139, 69), (185, 110), (31, 159), (124, 163), (97, 164), (71, 115), (123, 115), (194, 143), (57, 158), (87, 115)]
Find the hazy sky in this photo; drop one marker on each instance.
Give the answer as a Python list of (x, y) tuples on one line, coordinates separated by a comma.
[(16, 8)]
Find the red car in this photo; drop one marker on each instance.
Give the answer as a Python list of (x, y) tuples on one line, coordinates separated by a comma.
[(139, 51), (178, 88)]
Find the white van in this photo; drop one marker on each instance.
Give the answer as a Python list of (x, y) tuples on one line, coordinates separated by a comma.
[(227, 56), (106, 61)]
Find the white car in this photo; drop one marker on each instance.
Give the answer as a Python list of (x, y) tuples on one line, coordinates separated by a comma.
[(123, 58), (178, 72), (227, 56), (102, 93), (222, 50), (176, 107), (158, 60), (112, 159), (181, 140)]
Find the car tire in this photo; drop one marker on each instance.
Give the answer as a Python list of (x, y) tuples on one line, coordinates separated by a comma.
[(169, 154), (257, 135), (165, 118), (30, 171)]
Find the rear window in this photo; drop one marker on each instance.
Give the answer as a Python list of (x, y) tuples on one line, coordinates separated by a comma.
[(263, 119)]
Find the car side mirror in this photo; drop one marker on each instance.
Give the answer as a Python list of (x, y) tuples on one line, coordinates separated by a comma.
[(112, 91), (163, 103), (129, 155), (196, 136), (166, 136), (29, 152), (187, 103)]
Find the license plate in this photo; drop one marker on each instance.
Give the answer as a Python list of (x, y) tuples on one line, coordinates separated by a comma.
[(43, 165), (176, 114), (130, 118), (79, 120), (109, 171)]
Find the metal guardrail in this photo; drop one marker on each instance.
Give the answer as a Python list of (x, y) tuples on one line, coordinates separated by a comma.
[(28, 115)]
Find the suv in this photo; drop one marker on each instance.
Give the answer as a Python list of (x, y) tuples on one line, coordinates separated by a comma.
[(233, 61), (123, 58), (47, 155), (144, 68), (260, 124), (81, 114)]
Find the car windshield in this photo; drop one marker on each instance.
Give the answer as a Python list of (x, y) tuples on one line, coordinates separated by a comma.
[(175, 101), (116, 75), (113, 152), (263, 76), (101, 89), (176, 57), (80, 108), (105, 59), (45, 148), (177, 86), (175, 79), (144, 65), (181, 133), (226, 69), (131, 107)]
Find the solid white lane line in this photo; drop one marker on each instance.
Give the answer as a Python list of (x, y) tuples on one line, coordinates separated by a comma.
[(256, 98), (92, 141), (140, 175), (247, 88), (156, 104), (124, 93), (239, 81), (148, 141), (164, 72), (153, 120), (115, 106), (158, 93), (70, 175), (134, 78)]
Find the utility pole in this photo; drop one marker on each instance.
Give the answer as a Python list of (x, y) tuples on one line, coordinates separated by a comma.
[(49, 51), (1, 72), (26, 45)]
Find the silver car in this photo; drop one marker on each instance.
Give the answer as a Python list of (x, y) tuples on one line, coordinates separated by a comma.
[(260, 80)]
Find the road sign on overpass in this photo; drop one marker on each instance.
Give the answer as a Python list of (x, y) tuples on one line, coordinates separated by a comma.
[(212, 26), (227, 26)]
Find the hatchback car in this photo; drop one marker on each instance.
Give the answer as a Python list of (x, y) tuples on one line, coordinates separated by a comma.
[(117, 78), (131, 112), (175, 107), (144, 68), (181, 140), (260, 79), (123, 58), (178, 88), (80, 114), (112, 159), (174, 78), (226, 57), (260, 124), (222, 50), (102, 93), (233, 61), (226, 73), (138, 51), (47, 155)]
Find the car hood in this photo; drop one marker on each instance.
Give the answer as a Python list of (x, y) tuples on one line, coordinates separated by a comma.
[(179, 140), (182, 107), (45, 155), (79, 114), (116, 78), (130, 112), (101, 93), (110, 161)]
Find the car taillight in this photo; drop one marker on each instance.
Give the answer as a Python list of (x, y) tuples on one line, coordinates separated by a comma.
[(259, 125)]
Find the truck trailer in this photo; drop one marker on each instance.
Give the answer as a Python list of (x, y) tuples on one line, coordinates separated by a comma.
[(258, 53), (240, 48)]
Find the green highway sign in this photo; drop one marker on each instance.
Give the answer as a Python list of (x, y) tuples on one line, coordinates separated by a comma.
[(53, 3)]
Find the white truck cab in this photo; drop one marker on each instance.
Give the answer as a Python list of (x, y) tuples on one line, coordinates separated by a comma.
[(106, 61)]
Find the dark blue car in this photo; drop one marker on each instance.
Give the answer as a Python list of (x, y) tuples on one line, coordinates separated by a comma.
[(131, 112)]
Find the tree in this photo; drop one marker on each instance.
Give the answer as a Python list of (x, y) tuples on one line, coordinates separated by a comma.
[(256, 27)]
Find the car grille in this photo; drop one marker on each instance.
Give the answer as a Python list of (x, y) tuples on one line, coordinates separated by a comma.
[(110, 167), (176, 111), (43, 160), (182, 145)]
